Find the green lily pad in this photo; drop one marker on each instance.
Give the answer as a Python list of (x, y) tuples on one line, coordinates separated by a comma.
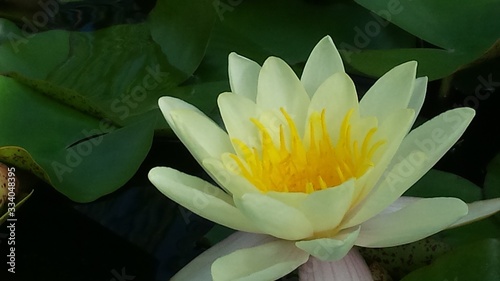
[(119, 72), (289, 29), (83, 157), (476, 231), (475, 261), (442, 184), (458, 33), (81, 113)]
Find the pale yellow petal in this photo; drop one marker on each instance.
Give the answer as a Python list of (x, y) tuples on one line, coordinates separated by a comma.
[(418, 95), (269, 261), (419, 151), (326, 208), (274, 217), (323, 62), (243, 76), (391, 92), (392, 131), (413, 222), (168, 104), (236, 112), (293, 199), (232, 183), (337, 96), (201, 136), (200, 197), (479, 210), (330, 249), (279, 87)]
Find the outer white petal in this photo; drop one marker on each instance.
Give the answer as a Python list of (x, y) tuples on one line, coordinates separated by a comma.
[(202, 137), (199, 269), (479, 210), (337, 95), (200, 197), (391, 92), (418, 96), (325, 209), (279, 87), (243, 76), (269, 261), (236, 112), (351, 268), (331, 249), (323, 62), (274, 217), (420, 150), (411, 223)]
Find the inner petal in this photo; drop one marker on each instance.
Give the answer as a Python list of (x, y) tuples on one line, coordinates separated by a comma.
[(309, 162)]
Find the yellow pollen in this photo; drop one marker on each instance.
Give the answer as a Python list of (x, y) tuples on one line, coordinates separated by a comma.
[(292, 166)]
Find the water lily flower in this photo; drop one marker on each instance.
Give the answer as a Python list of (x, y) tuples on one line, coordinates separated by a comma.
[(308, 172)]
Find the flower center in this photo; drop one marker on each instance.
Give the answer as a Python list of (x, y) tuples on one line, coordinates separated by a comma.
[(305, 164)]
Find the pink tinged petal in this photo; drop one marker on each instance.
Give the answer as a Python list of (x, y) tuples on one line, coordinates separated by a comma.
[(236, 112), (199, 269), (351, 268), (268, 261), (326, 208), (392, 91), (274, 217), (413, 222), (479, 210), (200, 197), (418, 152), (323, 62), (331, 249), (243, 76), (279, 87)]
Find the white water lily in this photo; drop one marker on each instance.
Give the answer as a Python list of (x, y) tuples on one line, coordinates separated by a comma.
[(308, 172)]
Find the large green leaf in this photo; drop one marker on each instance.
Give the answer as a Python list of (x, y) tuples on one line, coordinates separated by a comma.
[(442, 184), (83, 157), (79, 109), (461, 31), (119, 72), (288, 29), (182, 29), (475, 261)]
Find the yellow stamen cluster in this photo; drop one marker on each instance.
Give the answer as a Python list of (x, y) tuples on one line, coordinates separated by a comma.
[(296, 167)]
